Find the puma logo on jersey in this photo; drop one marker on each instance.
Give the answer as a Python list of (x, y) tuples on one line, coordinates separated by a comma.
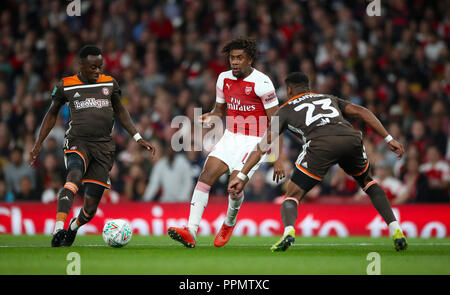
[(228, 85)]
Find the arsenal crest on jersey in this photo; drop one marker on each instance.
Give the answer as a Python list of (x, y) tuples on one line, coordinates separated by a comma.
[(248, 90), (105, 91)]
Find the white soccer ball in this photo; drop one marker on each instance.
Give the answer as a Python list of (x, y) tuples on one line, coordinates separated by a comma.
[(117, 233)]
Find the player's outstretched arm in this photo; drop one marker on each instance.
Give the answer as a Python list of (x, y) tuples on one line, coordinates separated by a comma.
[(124, 118), (236, 185), (278, 166), (219, 110), (367, 116), (47, 125)]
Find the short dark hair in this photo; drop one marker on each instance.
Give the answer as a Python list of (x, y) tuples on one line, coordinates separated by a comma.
[(297, 79), (89, 50), (18, 149), (246, 44)]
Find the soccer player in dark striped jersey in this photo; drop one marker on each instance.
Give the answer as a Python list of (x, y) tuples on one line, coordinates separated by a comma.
[(318, 120), (94, 103)]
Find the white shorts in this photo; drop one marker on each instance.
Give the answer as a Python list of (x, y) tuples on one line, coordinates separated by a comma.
[(234, 148)]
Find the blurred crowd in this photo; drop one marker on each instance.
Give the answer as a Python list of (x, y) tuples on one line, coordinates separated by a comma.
[(166, 57)]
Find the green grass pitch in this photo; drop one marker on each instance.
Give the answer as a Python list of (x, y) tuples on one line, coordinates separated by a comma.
[(151, 255)]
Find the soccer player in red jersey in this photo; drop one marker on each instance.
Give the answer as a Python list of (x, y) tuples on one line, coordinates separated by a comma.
[(247, 97)]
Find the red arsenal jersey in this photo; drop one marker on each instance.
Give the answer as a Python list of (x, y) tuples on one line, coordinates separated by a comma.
[(247, 100)]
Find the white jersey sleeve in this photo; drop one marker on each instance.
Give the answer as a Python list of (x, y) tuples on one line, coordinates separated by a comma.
[(220, 98), (265, 90)]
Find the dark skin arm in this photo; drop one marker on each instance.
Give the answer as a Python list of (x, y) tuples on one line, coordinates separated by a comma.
[(47, 124), (124, 118), (355, 111), (236, 185), (278, 170), (219, 110)]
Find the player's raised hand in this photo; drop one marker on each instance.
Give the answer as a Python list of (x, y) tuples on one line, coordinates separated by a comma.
[(278, 170), (148, 146), (396, 147), (235, 186), (206, 119), (34, 154)]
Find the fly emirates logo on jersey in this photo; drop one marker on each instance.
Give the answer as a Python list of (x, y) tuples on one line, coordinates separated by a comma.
[(91, 103), (235, 105)]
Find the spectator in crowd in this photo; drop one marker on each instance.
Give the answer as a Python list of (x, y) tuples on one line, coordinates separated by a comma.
[(258, 190), (437, 171), (419, 138), (166, 56), (415, 183), (49, 170), (135, 183), (342, 184), (395, 191), (172, 174), (437, 124), (18, 174), (50, 194), (26, 191), (5, 196)]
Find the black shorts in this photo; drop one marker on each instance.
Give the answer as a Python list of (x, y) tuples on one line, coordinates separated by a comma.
[(319, 154), (98, 159)]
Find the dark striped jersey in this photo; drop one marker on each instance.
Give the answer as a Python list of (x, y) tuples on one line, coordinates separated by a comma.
[(311, 115), (91, 113)]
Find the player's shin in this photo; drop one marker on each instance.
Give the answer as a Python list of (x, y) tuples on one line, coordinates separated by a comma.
[(64, 204), (289, 209), (83, 218), (381, 203), (234, 204), (198, 204)]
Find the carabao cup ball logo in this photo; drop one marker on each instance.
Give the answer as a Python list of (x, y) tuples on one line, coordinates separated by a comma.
[(105, 91), (117, 233)]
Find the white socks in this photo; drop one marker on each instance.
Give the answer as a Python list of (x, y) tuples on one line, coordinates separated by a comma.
[(288, 229), (393, 226), (74, 225), (198, 205), (59, 225), (234, 203)]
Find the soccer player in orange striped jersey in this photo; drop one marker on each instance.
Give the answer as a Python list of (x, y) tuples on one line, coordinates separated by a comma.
[(94, 103), (317, 119)]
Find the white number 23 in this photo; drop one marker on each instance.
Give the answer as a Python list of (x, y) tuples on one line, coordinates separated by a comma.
[(325, 104)]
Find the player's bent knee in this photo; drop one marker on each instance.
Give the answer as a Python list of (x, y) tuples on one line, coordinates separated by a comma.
[(208, 176), (75, 175), (297, 201), (94, 190), (364, 180), (75, 163), (90, 211), (294, 192)]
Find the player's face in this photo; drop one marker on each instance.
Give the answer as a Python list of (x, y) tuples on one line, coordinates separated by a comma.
[(91, 67), (240, 63)]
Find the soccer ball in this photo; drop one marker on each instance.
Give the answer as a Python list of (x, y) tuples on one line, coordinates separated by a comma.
[(117, 233)]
